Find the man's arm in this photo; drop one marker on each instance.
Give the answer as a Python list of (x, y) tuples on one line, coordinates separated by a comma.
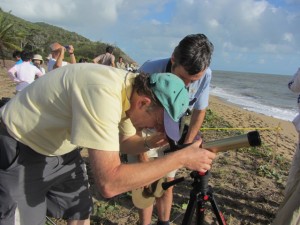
[(60, 58), (97, 59), (113, 61), (12, 73), (137, 144), (72, 55), (113, 178), (197, 119)]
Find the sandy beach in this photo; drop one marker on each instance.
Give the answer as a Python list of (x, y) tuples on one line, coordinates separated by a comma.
[(274, 132)]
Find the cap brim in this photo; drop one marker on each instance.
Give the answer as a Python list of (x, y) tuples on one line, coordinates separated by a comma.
[(171, 127)]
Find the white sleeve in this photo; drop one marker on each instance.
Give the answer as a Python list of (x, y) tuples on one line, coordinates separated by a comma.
[(294, 84)]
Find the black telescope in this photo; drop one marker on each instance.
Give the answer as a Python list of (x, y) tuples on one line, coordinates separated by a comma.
[(250, 139)]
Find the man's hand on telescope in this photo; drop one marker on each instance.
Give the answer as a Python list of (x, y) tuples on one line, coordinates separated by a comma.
[(196, 158)]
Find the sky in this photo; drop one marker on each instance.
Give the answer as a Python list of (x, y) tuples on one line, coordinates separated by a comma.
[(260, 36)]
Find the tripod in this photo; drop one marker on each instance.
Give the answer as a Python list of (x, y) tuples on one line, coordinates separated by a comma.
[(199, 195), (202, 192)]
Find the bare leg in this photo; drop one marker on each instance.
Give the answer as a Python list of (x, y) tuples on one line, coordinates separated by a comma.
[(145, 215), (79, 222), (164, 203)]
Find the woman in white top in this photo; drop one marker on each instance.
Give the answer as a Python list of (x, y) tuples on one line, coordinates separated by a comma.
[(25, 73)]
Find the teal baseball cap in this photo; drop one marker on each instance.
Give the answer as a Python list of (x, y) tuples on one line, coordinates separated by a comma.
[(173, 95)]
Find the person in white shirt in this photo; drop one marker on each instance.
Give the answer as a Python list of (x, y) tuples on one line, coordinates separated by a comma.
[(25, 73)]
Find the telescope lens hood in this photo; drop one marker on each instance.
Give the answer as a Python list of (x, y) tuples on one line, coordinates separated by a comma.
[(254, 138)]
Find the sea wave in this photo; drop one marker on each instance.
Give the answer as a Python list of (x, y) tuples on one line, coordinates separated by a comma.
[(254, 104)]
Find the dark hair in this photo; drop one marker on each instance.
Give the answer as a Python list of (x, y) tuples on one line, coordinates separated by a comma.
[(16, 54), (26, 56), (143, 87), (109, 49), (82, 60), (193, 53)]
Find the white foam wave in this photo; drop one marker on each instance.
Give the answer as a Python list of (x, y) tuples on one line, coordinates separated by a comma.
[(252, 104)]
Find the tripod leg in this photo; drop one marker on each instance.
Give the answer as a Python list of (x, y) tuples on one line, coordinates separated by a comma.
[(188, 216), (216, 210), (201, 209)]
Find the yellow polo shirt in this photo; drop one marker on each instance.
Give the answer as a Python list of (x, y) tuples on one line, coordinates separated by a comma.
[(75, 105)]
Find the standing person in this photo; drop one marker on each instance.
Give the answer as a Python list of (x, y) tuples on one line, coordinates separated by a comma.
[(289, 211), (38, 62), (190, 61), (25, 73), (80, 105), (121, 64), (107, 58), (58, 55), (17, 57)]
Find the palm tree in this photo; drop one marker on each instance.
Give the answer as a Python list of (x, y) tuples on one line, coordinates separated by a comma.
[(7, 36)]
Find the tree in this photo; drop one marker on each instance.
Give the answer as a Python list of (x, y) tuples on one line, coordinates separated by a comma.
[(7, 36)]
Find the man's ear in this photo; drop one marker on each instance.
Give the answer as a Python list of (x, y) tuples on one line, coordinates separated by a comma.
[(144, 102), (172, 59)]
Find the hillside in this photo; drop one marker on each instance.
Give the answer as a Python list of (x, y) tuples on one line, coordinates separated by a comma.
[(38, 36)]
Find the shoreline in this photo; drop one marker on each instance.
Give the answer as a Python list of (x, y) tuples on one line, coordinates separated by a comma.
[(276, 133)]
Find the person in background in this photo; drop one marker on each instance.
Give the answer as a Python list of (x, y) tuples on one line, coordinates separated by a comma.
[(190, 61), (17, 57), (289, 210), (83, 60), (48, 58), (38, 62), (107, 58), (121, 64), (25, 73), (80, 105), (58, 55)]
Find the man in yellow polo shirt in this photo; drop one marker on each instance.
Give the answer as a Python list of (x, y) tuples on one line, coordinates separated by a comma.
[(93, 106)]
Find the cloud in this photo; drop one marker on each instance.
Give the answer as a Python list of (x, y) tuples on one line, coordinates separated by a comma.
[(152, 28)]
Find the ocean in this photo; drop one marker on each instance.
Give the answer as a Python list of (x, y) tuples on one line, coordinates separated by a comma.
[(262, 93)]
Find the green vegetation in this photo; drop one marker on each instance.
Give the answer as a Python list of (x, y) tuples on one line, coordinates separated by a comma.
[(17, 34), (265, 164), (8, 37)]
